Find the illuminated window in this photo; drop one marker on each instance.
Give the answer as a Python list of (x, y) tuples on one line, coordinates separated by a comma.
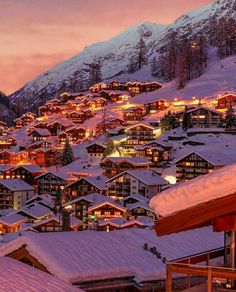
[(97, 213)]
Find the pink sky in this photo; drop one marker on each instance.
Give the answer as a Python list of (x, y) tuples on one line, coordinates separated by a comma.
[(37, 34)]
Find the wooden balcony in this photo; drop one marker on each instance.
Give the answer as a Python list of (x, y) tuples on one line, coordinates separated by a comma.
[(190, 267)]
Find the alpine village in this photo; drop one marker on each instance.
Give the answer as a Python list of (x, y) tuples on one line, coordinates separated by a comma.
[(125, 181)]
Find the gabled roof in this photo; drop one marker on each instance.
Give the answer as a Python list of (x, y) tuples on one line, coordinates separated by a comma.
[(89, 256), (12, 219), (41, 132), (141, 124), (131, 160), (16, 185), (33, 168), (218, 184), (98, 181), (16, 276), (94, 198), (74, 222), (137, 197), (96, 143), (214, 158), (108, 202), (36, 210), (204, 108), (148, 177), (142, 205)]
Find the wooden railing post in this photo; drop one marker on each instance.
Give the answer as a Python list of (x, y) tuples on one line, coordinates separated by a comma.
[(168, 278), (209, 280), (188, 277)]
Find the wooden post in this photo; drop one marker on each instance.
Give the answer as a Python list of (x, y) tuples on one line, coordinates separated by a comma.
[(209, 284), (208, 259), (188, 278), (168, 278)]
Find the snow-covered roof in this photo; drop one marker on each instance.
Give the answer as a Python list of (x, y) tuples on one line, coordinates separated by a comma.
[(204, 108), (94, 198), (33, 168), (36, 210), (88, 255), (148, 177), (215, 158), (97, 181), (107, 201), (16, 185), (19, 277), (73, 221), (12, 219), (219, 183), (137, 197), (142, 205), (132, 160), (5, 167), (41, 132)]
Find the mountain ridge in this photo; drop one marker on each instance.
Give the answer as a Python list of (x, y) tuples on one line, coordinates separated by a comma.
[(114, 54)]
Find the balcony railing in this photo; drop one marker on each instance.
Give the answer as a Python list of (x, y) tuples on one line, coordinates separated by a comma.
[(191, 267)]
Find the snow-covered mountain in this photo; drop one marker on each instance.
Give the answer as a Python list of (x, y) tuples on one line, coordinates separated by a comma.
[(114, 55)]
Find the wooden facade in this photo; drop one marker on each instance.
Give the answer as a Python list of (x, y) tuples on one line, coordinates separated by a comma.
[(139, 134), (193, 165)]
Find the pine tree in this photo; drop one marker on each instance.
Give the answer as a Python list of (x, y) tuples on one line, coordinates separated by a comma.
[(110, 146), (169, 122), (186, 120), (95, 74), (142, 53), (67, 154), (230, 119)]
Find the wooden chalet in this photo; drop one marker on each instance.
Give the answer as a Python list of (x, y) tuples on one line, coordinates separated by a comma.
[(75, 117), (14, 158), (14, 193), (201, 117), (143, 182), (55, 224), (225, 101), (115, 165), (158, 153), (98, 87), (27, 173), (50, 183), (38, 144), (73, 134), (45, 156), (106, 210), (11, 223), (55, 127), (139, 134), (195, 164), (28, 117), (85, 186), (7, 142), (134, 114), (211, 205), (96, 151), (155, 106), (39, 134)]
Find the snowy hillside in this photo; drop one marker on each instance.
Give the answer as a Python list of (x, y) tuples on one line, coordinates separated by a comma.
[(114, 55), (219, 78)]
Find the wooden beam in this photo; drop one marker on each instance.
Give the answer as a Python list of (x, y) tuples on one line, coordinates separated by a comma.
[(197, 216), (168, 278), (185, 269), (209, 280)]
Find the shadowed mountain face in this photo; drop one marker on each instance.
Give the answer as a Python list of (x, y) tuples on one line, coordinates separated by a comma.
[(114, 56)]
